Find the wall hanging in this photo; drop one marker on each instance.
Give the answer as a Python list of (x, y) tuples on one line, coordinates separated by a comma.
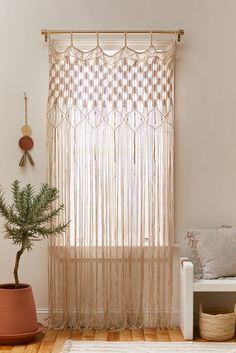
[(26, 143), (111, 156)]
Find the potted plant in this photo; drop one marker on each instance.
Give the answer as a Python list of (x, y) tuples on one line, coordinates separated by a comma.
[(28, 219)]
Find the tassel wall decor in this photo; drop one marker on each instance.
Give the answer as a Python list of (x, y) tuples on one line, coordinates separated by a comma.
[(26, 143)]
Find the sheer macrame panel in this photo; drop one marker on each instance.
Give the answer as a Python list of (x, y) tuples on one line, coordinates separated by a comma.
[(110, 138)]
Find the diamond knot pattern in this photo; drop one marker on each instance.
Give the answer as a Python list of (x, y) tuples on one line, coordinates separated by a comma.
[(98, 84)]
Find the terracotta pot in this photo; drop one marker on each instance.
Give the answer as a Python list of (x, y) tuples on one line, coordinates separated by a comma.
[(17, 310)]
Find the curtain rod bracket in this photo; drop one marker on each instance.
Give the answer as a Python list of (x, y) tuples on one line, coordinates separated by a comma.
[(44, 32)]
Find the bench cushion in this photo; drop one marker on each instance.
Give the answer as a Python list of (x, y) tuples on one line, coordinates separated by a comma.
[(215, 250)]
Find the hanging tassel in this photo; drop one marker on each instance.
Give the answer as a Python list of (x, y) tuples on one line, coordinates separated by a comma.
[(30, 158), (26, 155), (26, 143), (22, 161)]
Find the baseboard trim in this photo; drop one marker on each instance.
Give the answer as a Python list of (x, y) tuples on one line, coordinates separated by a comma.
[(42, 316)]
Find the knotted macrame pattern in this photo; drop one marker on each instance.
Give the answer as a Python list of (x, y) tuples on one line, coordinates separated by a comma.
[(110, 147)]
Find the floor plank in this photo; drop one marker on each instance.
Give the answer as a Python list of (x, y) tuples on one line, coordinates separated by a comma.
[(52, 341), (101, 335), (113, 336), (125, 335), (6, 349), (88, 335), (50, 335), (57, 345), (150, 335), (76, 335), (163, 335), (19, 349), (137, 335), (175, 335), (33, 347)]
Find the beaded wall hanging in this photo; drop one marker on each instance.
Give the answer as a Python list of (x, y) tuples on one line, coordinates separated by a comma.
[(26, 143)]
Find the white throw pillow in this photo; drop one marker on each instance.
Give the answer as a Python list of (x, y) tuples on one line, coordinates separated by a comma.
[(215, 250)]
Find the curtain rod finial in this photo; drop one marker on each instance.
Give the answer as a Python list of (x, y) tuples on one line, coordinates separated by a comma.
[(181, 32)]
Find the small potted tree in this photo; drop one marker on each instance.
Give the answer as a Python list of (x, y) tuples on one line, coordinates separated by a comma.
[(28, 219)]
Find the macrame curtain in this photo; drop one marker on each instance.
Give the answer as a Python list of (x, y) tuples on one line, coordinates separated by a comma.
[(110, 144)]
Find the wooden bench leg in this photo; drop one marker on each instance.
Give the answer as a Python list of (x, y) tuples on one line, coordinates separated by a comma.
[(186, 298)]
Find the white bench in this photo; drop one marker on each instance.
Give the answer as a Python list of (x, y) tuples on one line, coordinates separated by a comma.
[(188, 286)]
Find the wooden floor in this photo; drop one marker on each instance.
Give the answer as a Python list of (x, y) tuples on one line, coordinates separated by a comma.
[(53, 340)]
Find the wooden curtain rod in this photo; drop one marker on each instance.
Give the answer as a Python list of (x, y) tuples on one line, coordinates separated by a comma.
[(46, 32)]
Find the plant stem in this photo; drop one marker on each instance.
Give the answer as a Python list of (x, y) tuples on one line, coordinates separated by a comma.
[(18, 256)]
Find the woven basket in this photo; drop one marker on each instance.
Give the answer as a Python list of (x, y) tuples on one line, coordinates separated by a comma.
[(217, 324)]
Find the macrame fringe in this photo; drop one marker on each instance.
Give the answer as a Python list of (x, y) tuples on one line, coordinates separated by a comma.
[(110, 155)]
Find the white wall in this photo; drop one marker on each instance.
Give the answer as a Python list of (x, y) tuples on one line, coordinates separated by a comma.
[(205, 177)]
